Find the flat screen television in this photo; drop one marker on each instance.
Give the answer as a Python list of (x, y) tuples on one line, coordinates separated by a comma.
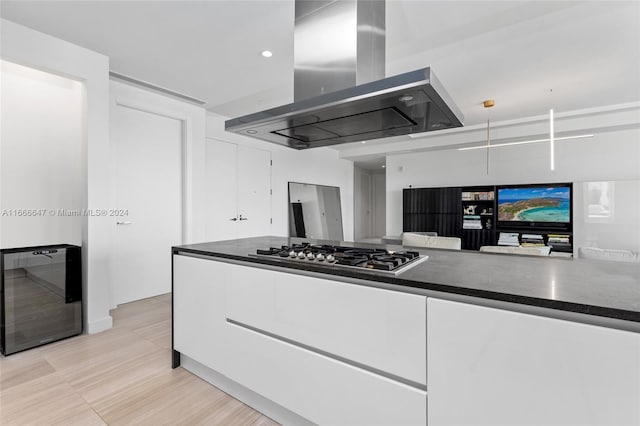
[(542, 207)]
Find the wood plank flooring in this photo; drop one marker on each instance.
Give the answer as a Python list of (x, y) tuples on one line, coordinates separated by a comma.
[(122, 376)]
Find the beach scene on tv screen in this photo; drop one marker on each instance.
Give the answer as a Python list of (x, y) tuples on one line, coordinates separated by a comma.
[(534, 204)]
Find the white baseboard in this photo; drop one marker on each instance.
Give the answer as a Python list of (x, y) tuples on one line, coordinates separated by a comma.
[(256, 401), (93, 327)]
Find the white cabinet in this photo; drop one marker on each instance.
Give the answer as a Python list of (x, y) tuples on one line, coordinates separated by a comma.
[(334, 353), (318, 388), (198, 309), (493, 367), (238, 191), (381, 329)]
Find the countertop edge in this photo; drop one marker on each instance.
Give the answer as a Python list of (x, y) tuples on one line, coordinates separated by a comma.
[(600, 311)]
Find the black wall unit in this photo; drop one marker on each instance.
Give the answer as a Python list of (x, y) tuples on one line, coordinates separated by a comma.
[(471, 214), (432, 210), (473, 239)]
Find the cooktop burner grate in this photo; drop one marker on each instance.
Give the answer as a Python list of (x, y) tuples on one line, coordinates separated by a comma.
[(377, 259)]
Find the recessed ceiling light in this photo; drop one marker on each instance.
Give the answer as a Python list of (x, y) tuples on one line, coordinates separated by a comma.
[(383, 166), (251, 131), (267, 53), (363, 142)]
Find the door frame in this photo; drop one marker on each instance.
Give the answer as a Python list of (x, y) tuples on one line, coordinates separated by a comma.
[(187, 139)]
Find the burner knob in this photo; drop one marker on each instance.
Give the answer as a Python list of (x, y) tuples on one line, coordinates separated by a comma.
[(320, 257), (330, 258), (310, 256), (301, 255), (292, 253)]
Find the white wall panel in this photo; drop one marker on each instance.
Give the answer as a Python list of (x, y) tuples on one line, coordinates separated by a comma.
[(320, 166), (41, 158)]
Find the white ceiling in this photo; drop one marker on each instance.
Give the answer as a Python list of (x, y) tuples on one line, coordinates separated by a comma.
[(588, 53)]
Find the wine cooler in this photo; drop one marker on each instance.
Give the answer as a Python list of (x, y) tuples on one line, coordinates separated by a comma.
[(41, 296)]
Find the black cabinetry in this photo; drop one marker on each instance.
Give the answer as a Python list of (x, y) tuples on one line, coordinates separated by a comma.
[(473, 239), (432, 210)]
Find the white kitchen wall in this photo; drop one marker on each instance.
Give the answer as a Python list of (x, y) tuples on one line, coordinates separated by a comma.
[(320, 166), (31, 48), (41, 176), (613, 154)]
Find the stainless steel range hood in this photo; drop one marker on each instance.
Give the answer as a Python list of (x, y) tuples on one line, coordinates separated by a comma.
[(351, 104)]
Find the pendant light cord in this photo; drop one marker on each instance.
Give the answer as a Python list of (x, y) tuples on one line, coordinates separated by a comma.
[(488, 141), (488, 104)]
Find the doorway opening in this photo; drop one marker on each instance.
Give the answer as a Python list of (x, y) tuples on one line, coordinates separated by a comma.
[(369, 204)]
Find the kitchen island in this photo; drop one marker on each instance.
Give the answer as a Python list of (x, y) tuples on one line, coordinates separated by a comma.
[(511, 339)]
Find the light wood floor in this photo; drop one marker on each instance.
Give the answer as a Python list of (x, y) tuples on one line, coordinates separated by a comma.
[(122, 376)]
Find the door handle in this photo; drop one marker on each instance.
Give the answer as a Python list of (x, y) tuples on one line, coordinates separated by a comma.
[(234, 219), (126, 222), (243, 218)]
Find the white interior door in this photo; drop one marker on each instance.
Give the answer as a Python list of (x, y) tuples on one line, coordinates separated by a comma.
[(147, 167), (221, 190), (254, 192)]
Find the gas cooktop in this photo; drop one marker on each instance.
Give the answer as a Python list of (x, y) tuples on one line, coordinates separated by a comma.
[(374, 259)]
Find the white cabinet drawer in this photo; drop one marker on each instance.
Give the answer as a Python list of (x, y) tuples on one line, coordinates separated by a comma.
[(381, 329), (320, 389), (495, 367)]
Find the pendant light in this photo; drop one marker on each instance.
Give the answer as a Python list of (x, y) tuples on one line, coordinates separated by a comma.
[(489, 103)]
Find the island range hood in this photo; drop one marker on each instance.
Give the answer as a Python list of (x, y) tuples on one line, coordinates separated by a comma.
[(340, 95)]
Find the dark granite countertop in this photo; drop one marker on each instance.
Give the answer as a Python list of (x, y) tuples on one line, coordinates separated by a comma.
[(606, 289)]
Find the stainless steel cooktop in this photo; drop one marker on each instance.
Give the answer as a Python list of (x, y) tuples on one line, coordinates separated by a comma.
[(375, 260)]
